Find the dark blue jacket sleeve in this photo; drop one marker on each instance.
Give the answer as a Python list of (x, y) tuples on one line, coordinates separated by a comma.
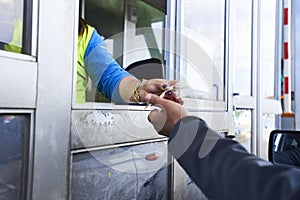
[(223, 169)]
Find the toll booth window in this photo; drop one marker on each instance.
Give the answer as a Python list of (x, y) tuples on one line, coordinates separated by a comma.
[(96, 13), (132, 172), (134, 33), (14, 131), (15, 32), (202, 66)]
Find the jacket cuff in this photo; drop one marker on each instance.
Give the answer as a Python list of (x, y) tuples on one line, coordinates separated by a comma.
[(192, 135), (183, 134)]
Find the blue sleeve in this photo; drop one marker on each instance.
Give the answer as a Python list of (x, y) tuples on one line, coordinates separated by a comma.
[(223, 169), (105, 72)]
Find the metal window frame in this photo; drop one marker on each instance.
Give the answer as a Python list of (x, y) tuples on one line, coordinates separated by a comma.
[(18, 78), (56, 58), (296, 61), (255, 90), (278, 57), (27, 27), (257, 116)]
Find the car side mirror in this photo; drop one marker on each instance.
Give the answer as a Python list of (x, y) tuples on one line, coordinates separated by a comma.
[(284, 147)]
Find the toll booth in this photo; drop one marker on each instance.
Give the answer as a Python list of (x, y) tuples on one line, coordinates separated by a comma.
[(55, 148)]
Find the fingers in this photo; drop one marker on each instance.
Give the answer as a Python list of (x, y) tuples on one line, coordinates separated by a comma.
[(163, 84), (170, 95), (165, 119), (169, 83), (170, 92), (158, 87)]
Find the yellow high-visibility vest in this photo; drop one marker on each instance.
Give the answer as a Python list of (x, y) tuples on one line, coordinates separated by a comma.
[(82, 77), (16, 44)]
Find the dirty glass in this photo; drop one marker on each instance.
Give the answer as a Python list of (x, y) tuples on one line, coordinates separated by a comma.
[(202, 48), (267, 47), (11, 23), (242, 124), (97, 13), (131, 172), (14, 130), (267, 67), (240, 46)]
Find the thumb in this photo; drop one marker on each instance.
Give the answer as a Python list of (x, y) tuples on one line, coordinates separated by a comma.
[(154, 99), (145, 96)]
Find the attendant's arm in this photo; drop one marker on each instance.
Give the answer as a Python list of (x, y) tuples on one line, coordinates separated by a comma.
[(116, 83)]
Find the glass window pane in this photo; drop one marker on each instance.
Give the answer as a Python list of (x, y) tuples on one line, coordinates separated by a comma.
[(267, 66), (153, 18), (96, 14), (143, 28), (133, 172), (268, 126), (242, 124), (14, 129), (267, 47), (141, 15), (11, 23), (202, 48), (240, 45), (144, 31)]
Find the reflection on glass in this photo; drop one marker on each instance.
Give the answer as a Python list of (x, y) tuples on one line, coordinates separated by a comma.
[(193, 191), (97, 12), (133, 172), (13, 129), (268, 126), (242, 124), (240, 45), (286, 148), (267, 65), (11, 22), (267, 47), (202, 47), (154, 18), (144, 32), (141, 37)]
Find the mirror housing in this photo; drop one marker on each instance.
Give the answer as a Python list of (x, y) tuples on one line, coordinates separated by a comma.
[(284, 147)]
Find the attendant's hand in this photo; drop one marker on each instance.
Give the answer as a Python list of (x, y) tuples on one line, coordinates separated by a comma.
[(165, 119), (158, 86)]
